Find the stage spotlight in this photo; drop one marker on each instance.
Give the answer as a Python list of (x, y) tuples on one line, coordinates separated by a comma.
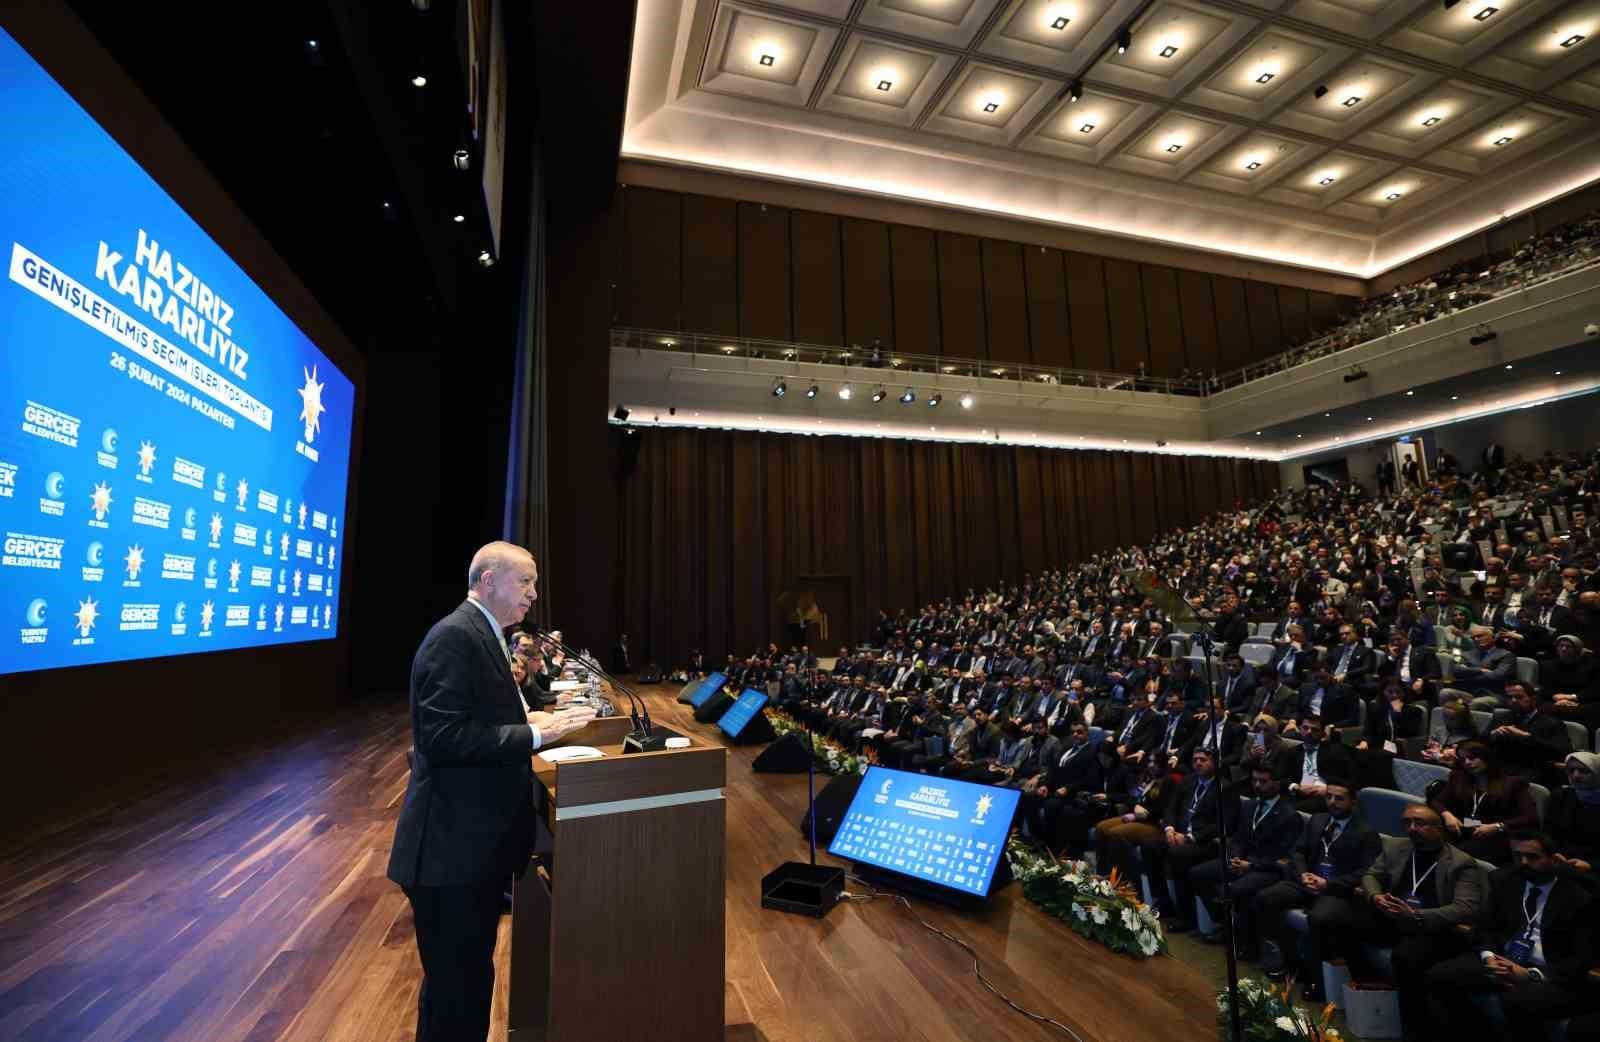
[(966, 401), (621, 414), (1321, 91), (459, 218), (908, 397), (1075, 92), (844, 392), (1355, 373), (1124, 41), (1483, 338), (419, 80), (879, 395), (462, 159), (935, 400), (485, 259), (780, 389), (811, 392)]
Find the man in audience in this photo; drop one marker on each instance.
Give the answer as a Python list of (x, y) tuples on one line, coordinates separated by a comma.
[(1526, 961), (1188, 837), (1484, 670), (1417, 667), (1352, 662), (1258, 854), (1317, 758), (1334, 851), (1412, 900), (1177, 727), (1141, 731), (1533, 742), (1325, 697)]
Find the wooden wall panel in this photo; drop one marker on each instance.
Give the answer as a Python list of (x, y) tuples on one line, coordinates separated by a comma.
[(1049, 331), (1086, 303), (764, 282), (710, 265), (914, 264), (868, 296), (1233, 322), (1130, 345), (649, 287), (1005, 302), (1266, 328), (1164, 317), (1198, 309), (1294, 310), (1324, 310), (818, 301), (961, 303)]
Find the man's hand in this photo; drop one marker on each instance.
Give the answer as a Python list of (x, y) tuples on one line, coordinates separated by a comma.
[(1313, 882), (1238, 864), (553, 727)]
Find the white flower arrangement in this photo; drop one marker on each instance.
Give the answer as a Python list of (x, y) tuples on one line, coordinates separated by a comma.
[(1267, 1014), (1095, 907)]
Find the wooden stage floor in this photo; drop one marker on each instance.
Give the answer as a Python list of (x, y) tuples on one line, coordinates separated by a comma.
[(252, 905)]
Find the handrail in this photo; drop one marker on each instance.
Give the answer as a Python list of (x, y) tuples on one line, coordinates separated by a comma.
[(1435, 298)]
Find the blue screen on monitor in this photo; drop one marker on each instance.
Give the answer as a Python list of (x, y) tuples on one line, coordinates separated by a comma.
[(740, 713), (173, 448), (935, 830), (712, 685)]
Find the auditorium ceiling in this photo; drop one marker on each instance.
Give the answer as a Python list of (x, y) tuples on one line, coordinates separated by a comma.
[(1342, 135)]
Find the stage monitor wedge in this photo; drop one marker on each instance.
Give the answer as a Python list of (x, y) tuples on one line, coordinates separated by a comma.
[(744, 722)]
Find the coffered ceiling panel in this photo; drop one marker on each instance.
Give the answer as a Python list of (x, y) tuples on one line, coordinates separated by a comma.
[(1313, 125)]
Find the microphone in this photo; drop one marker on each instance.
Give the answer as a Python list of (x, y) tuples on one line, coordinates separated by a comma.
[(643, 738)]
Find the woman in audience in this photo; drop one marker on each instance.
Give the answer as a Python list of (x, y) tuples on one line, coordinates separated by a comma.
[(1455, 726), (1572, 818), (1391, 719), (1480, 803), (1455, 639)]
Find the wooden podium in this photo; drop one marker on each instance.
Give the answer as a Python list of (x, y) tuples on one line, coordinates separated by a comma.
[(623, 936)]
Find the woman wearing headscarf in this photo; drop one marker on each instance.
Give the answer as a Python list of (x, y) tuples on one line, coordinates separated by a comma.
[(1572, 818)]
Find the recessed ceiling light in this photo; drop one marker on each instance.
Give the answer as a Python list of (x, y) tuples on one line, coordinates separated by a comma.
[(1299, 435), (1254, 164), (1392, 196), (767, 59), (1258, 434), (1501, 141), (1485, 13), (1265, 77), (1432, 121), (1087, 128), (1352, 101), (885, 84), (1059, 22), (419, 80), (1326, 181), (1455, 397), (458, 218), (1508, 365), (1558, 372), (1573, 40), (1410, 393), (1369, 419), (1327, 414), (991, 106), (844, 392), (1174, 147), (1168, 51), (966, 400)]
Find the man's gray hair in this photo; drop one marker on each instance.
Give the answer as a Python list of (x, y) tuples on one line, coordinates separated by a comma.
[(492, 557)]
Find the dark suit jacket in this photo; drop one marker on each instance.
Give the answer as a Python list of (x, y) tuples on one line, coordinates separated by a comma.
[(1146, 733), (1263, 842), (468, 815), (1564, 925), (1547, 742), (1203, 822), (1082, 771), (1424, 667), (1339, 706), (1362, 663), (1357, 847), (1334, 760)]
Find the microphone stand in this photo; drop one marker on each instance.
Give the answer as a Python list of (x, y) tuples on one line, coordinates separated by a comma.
[(644, 737)]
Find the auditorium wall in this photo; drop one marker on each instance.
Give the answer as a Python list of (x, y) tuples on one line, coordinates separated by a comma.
[(700, 264), (715, 528)]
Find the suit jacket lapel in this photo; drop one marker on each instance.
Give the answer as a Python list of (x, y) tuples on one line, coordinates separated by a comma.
[(480, 625)]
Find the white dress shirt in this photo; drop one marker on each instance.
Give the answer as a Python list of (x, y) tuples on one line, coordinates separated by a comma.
[(494, 624)]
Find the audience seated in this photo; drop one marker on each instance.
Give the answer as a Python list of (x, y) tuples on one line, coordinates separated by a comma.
[(1479, 803)]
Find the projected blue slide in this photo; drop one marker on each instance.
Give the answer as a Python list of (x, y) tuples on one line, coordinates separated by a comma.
[(173, 449), (935, 830)]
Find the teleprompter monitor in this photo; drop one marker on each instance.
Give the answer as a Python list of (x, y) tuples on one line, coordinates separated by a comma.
[(936, 832), (713, 683), (742, 712)]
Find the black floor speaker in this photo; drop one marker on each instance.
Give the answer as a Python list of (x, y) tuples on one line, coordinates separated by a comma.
[(787, 755), (831, 804), (712, 708), (688, 690)]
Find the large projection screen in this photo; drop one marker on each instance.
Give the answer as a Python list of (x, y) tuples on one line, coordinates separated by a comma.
[(174, 449)]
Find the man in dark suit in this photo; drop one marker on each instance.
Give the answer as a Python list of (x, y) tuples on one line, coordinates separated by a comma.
[(1293, 659), (1335, 849), (1258, 854), (1140, 731), (1326, 698), (1188, 837), (1417, 668), (1530, 954), (1238, 681), (1352, 662), (468, 821), (1308, 766), (1533, 739)]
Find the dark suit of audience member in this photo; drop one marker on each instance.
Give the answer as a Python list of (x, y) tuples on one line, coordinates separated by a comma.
[(1335, 703), (1532, 740), (1527, 960), (1279, 701), (1236, 689), (1231, 736), (1139, 733), (1419, 671), (1307, 767), (1291, 664), (1411, 900), (1351, 664), (1188, 837), (983, 746), (1389, 725), (1334, 851), (1258, 855)]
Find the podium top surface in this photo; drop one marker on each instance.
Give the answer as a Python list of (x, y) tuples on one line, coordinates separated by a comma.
[(619, 782)]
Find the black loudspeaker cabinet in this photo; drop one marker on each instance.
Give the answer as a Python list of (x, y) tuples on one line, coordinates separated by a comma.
[(788, 755), (651, 674), (830, 807), (688, 690), (711, 709), (756, 731)]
